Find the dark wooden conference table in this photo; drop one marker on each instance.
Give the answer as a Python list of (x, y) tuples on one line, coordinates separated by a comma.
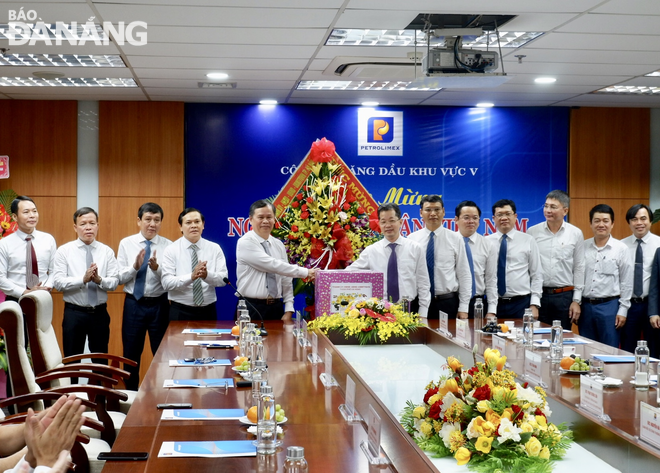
[(314, 421)]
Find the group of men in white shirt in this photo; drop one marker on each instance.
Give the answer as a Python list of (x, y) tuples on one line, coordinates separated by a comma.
[(603, 285)]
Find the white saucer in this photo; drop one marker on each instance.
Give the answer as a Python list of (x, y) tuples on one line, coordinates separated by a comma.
[(246, 421)]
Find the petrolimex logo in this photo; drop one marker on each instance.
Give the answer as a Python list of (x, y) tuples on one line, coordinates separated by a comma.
[(380, 133)]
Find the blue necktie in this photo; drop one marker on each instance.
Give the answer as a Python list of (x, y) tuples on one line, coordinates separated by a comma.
[(468, 250), (430, 261), (638, 281), (198, 290), (141, 277), (501, 267), (92, 296), (392, 275)]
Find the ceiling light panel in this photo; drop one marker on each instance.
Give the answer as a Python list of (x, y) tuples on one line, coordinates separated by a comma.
[(62, 60), (66, 82), (359, 85), (360, 37), (629, 90)]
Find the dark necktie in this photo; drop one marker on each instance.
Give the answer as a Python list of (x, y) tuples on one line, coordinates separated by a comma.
[(31, 267), (392, 275), (198, 291), (468, 251), (92, 296), (271, 280), (638, 282), (430, 261), (141, 276), (501, 267)]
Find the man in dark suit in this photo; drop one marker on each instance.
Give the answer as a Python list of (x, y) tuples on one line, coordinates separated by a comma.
[(654, 306)]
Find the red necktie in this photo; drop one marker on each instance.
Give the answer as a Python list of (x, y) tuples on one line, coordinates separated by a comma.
[(31, 268)]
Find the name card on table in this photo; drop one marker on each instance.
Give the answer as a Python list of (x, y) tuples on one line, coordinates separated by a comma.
[(371, 448), (348, 409), (314, 357), (302, 335), (499, 344), (326, 377), (591, 397), (444, 324), (649, 424), (533, 367), (463, 332)]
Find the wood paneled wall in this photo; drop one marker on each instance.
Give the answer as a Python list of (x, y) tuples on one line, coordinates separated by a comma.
[(609, 162), (140, 160)]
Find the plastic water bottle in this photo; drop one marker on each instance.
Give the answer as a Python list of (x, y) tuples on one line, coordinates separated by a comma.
[(266, 424), (242, 305), (642, 366), (243, 320), (295, 460), (556, 341), (259, 377), (528, 328), (478, 313)]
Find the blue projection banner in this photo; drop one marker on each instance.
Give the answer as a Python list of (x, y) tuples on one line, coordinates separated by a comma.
[(236, 154)]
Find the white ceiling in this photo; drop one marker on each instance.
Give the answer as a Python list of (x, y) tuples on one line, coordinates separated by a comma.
[(268, 46)]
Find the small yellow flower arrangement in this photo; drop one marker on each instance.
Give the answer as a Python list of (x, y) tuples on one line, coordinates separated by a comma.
[(369, 320)]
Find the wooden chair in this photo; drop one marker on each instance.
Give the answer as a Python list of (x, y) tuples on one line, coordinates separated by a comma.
[(47, 358), (24, 382)]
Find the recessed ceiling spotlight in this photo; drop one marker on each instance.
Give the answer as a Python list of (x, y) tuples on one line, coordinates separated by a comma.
[(217, 75), (545, 80), (370, 104), (485, 105), (268, 102)]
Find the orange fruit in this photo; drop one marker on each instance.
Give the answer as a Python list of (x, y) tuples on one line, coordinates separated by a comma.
[(252, 414), (504, 328), (566, 362), (239, 361), (235, 330)]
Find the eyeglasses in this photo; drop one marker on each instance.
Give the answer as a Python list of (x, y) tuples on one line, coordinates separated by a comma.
[(552, 207), (467, 218), (391, 221), (504, 214), (204, 361)]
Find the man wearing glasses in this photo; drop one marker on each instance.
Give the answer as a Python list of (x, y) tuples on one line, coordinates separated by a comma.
[(401, 261), (519, 272), (483, 268), (561, 246), (446, 260)]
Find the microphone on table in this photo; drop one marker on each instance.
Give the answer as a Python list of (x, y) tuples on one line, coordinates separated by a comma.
[(264, 333)]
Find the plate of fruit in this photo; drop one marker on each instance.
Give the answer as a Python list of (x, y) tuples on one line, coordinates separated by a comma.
[(241, 363), (251, 417), (573, 364), (493, 327)]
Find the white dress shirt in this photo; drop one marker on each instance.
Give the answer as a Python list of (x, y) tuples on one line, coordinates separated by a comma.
[(524, 274), (411, 263), (562, 256), (253, 264), (129, 248), (13, 255), (650, 243), (71, 265), (451, 268), (176, 275), (608, 272), (484, 259)]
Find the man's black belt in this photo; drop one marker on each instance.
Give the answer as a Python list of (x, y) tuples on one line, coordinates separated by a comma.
[(639, 300), (443, 297), (268, 301), (512, 298), (598, 300), (80, 308), (557, 290), (148, 300)]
